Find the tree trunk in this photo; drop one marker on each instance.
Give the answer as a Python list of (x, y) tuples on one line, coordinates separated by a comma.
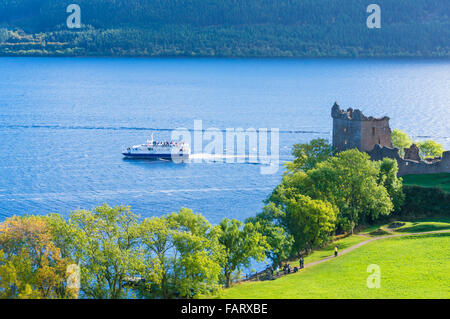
[(227, 280)]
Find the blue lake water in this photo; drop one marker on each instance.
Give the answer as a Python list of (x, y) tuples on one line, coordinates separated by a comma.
[(63, 122)]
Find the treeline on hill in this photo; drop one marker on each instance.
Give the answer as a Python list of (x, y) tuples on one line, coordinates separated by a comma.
[(226, 28), (181, 255)]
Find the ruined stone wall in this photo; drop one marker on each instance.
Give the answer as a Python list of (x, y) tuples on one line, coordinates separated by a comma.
[(412, 153), (375, 131), (406, 167)]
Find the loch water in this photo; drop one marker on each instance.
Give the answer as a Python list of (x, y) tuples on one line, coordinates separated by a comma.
[(64, 121)]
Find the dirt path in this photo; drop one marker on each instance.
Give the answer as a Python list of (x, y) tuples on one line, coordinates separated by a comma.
[(343, 252)]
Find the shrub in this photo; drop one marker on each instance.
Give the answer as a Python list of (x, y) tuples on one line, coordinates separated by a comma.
[(424, 201)]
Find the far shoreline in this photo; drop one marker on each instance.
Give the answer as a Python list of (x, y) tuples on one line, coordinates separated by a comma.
[(236, 58)]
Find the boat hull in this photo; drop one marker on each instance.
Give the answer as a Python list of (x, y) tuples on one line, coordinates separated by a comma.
[(155, 156)]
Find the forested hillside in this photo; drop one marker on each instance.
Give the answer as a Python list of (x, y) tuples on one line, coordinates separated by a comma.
[(235, 28)]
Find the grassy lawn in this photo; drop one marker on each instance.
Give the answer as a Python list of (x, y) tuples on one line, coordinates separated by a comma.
[(411, 267), (429, 180)]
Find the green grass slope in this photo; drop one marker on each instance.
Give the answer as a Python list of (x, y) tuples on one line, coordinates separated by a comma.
[(411, 267), (417, 226), (412, 227), (441, 181)]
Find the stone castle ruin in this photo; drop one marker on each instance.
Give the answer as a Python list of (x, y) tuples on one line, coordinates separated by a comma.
[(352, 129)]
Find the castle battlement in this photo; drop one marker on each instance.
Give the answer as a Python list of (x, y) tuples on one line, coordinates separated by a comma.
[(353, 115)]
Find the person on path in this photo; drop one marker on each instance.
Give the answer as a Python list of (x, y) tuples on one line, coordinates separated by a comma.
[(335, 251), (302, 262)]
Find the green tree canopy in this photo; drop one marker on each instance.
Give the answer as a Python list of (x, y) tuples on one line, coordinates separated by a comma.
[(173, 256), (430, 148), (241, 244), (400, 140), (348, 180), (182, 255), (388, 169), (106, 248), (279, 241), (308, 155), (311, 222)]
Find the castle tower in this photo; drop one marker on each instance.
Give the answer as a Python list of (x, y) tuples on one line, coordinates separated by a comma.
[(351, 129)]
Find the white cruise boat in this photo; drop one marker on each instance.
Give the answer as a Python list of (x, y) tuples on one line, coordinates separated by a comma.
[(158, 150)]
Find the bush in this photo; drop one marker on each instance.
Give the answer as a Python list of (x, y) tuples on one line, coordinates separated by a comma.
[(424, 201), (379, 232)]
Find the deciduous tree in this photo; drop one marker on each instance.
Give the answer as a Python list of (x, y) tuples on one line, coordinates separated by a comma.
[(183, 249), (311, 222), (31, 266), (106, 248), (348, 180), (400, 140), (279, 241), (308, 155), (241, 243), (387, 177), (430, 148)]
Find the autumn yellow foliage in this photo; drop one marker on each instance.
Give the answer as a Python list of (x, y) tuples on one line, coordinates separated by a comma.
[(31, 266)]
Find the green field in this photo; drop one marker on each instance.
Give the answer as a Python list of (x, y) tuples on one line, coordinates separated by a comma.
[(429, 180), (411, 267), (419, 226)]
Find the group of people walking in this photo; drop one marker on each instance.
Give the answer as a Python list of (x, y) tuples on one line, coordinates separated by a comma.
[(287, 267)]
